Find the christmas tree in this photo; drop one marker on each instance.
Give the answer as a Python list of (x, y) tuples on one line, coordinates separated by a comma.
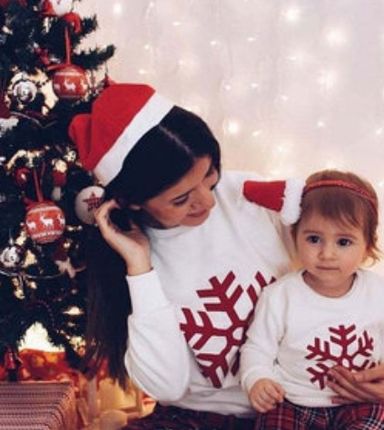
[(46, 198)]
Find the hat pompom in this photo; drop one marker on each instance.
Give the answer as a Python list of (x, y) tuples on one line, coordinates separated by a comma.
[(281, 196)]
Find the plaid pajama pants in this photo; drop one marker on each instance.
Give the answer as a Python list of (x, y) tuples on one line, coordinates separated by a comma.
[(172, 418), (357, 416)]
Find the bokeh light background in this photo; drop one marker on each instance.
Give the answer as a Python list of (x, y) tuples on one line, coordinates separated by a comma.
[(287, 87)]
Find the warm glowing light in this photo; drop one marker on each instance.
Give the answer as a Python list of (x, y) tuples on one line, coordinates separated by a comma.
[(379, 131), (232, 127), (143, 72), (36, 337), (320, 124), (117, 8), (256, 133), (213, 42), (292, 14), (194, 108), (336, 37), (297, 58), (74, 310), (176, 23), (333, 164), (283, 148), (275, 173), (327, 80)]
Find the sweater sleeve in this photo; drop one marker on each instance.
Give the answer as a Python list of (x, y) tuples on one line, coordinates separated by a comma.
[(260, 350), (155, 342)]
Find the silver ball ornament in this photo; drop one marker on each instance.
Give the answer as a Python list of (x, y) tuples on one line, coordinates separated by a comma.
[(12, 256), (24, 90)]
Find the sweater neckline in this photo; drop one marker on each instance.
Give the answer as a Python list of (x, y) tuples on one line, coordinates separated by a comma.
[(347, 296), (159, 233), (167, 233)]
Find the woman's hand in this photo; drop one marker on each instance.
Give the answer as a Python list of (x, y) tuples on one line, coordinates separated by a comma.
[(364, 386), (132, 245)]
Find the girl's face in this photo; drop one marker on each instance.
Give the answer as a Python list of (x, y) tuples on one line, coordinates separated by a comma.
[(189, 201), (330, 253)]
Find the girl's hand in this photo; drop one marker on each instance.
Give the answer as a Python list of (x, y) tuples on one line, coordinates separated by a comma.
[(132, 245), (265, 394), (364, 386)]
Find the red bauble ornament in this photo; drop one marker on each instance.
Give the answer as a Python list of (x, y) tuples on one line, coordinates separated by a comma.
[(45, 222), (22, 176), (70, 82)]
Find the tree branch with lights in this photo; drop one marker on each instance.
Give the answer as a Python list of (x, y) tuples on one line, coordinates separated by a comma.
[(46, 198)]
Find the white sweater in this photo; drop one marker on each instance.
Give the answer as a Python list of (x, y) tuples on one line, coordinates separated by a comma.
[(297, 335), (191, 312)]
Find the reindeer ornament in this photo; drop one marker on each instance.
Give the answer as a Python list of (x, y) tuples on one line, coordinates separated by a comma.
[(45, 222)]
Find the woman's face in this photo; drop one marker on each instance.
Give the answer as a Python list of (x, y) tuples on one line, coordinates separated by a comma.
[(189, 201)]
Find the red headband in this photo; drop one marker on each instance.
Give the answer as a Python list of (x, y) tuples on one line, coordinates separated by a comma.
[(343, 184)]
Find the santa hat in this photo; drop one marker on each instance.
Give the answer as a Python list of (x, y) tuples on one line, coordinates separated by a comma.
[(281, 196), (120, 117)]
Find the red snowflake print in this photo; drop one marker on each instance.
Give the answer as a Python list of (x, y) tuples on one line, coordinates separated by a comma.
[(201, 327), (344, 348)]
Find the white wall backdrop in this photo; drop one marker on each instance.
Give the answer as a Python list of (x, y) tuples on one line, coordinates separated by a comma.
[(288, 87)]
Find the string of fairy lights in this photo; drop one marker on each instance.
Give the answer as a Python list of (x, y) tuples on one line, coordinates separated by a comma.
[(287, 87)]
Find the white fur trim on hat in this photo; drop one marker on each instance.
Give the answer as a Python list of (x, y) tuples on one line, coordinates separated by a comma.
[(291, 209), (148, 117)]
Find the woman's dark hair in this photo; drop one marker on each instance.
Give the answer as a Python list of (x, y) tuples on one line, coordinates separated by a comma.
[(159, 160)]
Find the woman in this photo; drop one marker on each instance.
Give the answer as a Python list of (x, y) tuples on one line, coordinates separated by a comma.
[(194, 253), (364, 386)]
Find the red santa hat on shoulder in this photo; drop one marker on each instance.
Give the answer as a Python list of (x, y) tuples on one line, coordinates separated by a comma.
[(281, 196), (120, 117)]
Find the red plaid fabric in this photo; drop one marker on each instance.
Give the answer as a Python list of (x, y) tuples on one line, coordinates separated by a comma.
[(287, 416), (172, 418)]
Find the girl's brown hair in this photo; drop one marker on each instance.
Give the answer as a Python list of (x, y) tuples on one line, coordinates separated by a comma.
[(345, 198)]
